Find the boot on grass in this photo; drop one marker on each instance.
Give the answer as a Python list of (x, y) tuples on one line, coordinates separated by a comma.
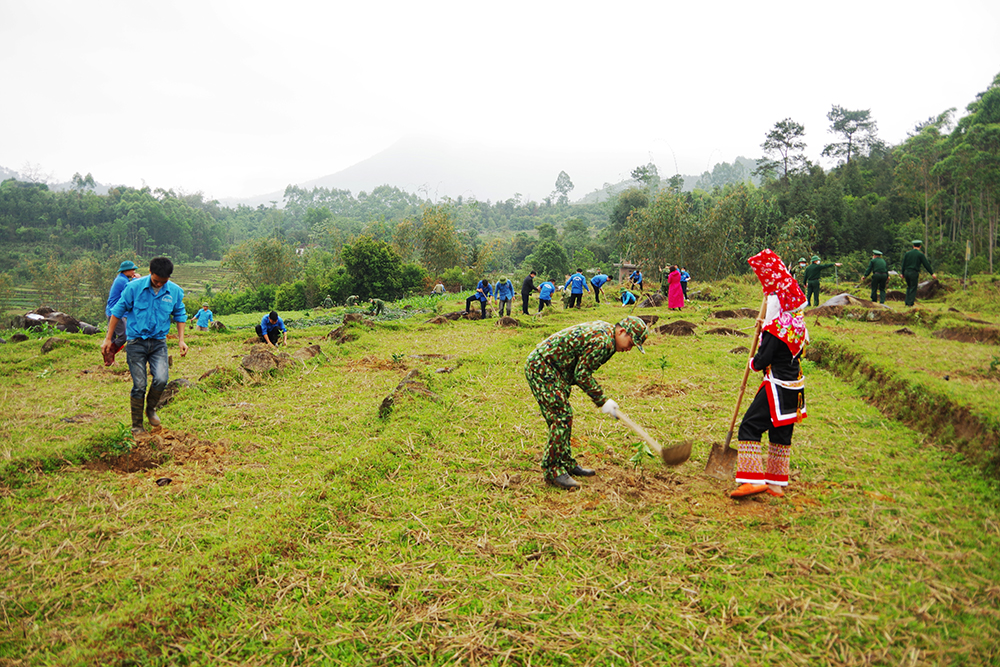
[(137, 405), (151, 401)]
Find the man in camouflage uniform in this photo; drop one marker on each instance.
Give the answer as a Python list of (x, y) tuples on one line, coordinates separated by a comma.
[(377, 306), (569, 357)]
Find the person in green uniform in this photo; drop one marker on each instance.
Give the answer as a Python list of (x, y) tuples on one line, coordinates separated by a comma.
[(912, 261), (570, 357), (812, 274), (328, 302), (377, 306), (880, 274)]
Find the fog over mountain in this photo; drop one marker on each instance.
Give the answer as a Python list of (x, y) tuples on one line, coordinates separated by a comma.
[(436, 168)]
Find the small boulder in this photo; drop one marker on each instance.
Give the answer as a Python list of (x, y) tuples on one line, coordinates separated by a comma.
[(51, 344)]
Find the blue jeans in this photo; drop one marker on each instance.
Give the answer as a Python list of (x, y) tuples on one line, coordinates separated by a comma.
[(138, 353)]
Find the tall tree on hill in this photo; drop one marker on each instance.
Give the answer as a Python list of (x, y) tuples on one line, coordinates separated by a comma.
[(857, 130), (563, 186), (648, 175), (785, 143)]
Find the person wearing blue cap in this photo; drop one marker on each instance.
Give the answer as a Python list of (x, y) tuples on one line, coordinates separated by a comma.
[(912, 261), (126, 274), (150, 304)]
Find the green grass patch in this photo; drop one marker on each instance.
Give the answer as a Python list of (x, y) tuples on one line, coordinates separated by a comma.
[(300, 527)]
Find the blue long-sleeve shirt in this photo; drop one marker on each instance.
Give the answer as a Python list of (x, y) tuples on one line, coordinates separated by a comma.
[(204, 317), (266, 325), (545, 290), (117, 287), (578, 282), (149, 314), (487, 290), (505, 290), (599, 280)]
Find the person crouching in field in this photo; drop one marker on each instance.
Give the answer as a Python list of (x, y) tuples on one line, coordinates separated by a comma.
[(268, 329), (566, 358), (780, 403)]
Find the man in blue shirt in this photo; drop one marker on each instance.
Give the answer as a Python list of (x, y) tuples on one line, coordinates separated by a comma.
[(126, 273), (482, 294), (636, 278), (149, 304), (577, 283), (504, 294), (685, 277), (598, 282), (545, 291), (269, 327), (204, 317)]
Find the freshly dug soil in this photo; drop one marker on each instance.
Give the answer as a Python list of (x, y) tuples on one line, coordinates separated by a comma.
[(678, 328), (154, 448)]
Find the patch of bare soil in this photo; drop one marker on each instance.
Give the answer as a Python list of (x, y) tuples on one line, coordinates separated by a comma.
[(653, 301), (507, 322), (678, 328), (341, 335), (440, 319), (895, 295), (904, 332), (660, 389), (159, 446), (726, 331), (734, 314), (970, 335), (739, 350), (261, 360), (410, 384), (370, 362), (650, 320)]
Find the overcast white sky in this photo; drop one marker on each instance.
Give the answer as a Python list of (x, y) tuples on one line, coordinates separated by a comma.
[(242, 97)]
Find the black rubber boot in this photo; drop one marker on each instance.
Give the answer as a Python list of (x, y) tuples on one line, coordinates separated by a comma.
[(137, 405), (564, 481), (152, 398), (581, 472)]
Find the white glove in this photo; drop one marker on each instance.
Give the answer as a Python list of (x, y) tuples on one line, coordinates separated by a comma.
[(610, 408)]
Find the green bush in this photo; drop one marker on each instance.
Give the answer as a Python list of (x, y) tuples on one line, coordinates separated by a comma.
[(290, 296)]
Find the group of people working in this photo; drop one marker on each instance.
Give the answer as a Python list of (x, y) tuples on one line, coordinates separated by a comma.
[(140, 310), (808, 274)]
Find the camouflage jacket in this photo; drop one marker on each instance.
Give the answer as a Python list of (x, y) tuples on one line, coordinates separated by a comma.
[(575, 354)]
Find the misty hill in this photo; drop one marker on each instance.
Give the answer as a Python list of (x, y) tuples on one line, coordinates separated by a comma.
[(437, 168)]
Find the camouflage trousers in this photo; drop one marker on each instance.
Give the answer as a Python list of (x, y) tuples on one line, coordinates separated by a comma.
[(552, 394)]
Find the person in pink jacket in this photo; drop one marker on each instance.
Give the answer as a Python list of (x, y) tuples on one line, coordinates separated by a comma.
[(675, 291)]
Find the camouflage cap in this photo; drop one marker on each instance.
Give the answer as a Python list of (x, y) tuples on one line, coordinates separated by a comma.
[(634, 326)]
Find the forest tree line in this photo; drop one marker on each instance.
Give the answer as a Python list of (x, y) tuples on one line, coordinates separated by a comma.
[(941, 184)]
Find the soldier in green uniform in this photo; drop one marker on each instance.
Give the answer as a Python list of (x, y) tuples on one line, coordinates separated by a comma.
[(880, 274), (328, 302), (912, 261), (353, 300), (570, 357), (377, 306), (812, 274)]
